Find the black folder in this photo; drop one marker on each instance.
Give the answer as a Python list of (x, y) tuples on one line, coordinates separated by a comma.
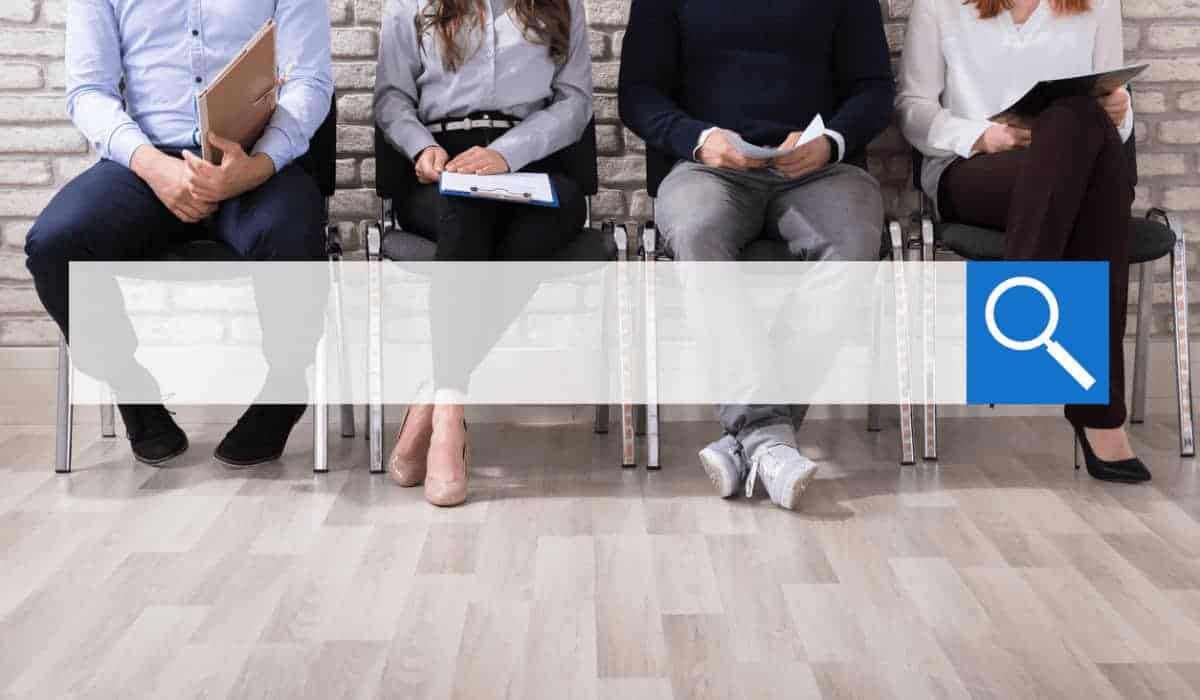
[(1045, 92)]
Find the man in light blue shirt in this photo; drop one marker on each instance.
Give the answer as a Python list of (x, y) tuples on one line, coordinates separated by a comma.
[(134, 71)]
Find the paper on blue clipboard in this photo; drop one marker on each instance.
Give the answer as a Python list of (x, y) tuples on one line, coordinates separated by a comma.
[(814, 131), (518, 188)]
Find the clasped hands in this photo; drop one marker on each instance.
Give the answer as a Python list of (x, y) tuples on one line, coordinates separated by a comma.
[(433, 161), (192, 188), (718, 152)]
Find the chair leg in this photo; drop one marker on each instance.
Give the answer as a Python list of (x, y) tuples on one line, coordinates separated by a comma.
[(108, 418), (64, 412), (1183, 369), (320, 404), (346, 403), (929, 339), (1141, 348), (625, 346), (600, 411), (374, 351), (650, 311), (600, 419), (873, 423), (907, 450)]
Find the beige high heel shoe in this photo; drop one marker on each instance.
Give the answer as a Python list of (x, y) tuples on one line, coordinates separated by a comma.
[(447, 494), (408, 462)]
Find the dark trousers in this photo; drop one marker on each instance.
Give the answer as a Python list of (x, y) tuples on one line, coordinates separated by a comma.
[(1067, 197), (109, 214), (478, 230)]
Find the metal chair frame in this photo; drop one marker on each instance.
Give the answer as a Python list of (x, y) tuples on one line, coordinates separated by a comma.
[(377, 232), (65, 411), (647, 416), (930, 244)]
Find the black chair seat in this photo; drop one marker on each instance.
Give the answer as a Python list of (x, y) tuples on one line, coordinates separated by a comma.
[(1151, 241), (591, 245)]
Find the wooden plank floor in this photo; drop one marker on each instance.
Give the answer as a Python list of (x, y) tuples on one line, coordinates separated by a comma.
[(998, 573)]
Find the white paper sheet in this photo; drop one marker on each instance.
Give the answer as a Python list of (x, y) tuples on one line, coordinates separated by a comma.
[(532, 188), (815, 130)]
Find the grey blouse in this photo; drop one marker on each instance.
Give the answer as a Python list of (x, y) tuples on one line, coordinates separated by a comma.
[(503, 72)]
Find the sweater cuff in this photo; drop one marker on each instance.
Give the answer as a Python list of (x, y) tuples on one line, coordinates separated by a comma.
[(702, 140), (840, 151), (685, 137)]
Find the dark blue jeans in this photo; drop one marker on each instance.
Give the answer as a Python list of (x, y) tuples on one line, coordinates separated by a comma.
[(109, 214)]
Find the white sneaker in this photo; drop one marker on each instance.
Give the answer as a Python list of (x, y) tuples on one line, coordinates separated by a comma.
[(784, 471), (725, 463)]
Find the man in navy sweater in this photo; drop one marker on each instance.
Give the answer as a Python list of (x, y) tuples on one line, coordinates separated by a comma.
[(695, 71)]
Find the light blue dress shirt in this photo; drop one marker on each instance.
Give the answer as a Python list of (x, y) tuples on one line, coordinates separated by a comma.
[(165, 52)]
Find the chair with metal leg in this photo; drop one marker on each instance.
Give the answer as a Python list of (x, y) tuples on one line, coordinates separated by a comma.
[(1152, 238), (320, 162), (387, 241), (893, 247)]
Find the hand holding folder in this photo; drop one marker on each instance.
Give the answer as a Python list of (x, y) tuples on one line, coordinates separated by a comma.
[(1022, 112), (241, 99)]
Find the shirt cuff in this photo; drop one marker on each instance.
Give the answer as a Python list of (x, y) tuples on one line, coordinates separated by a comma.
[(123, 142), (513, 153), (700, 141), (841, 144), (410, 139), (1126, 128), (968, 136), (277, 146)]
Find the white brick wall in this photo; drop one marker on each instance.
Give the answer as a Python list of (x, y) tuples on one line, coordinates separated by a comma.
[(39, 150)]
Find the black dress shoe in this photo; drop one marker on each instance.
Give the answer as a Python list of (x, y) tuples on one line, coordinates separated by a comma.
[(1125, 471), (260, 434), (153, 434)]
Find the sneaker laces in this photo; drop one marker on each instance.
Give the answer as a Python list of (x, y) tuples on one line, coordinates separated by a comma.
[(770, 470)]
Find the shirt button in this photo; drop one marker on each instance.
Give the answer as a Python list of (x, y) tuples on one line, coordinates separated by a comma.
[(199, 80), (195, 32)]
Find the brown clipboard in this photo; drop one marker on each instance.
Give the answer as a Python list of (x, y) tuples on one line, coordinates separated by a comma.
[(240, 101)]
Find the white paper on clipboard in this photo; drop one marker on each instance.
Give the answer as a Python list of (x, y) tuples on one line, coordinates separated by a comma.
[(814, 131), (522, 188)]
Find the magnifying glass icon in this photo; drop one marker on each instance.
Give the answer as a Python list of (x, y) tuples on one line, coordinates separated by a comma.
[(1056, 351)]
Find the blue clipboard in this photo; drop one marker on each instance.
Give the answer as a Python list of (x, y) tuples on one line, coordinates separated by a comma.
[(501, 194)]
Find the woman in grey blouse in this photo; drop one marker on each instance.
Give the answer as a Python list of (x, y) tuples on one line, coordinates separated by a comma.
[(482, 87)]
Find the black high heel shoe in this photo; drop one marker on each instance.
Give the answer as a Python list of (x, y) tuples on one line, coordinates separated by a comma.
[(1125, 471)]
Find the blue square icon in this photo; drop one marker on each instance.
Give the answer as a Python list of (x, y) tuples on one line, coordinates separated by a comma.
[(1037, 332)]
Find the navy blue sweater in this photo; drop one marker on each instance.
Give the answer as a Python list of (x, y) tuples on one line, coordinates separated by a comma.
[(762, 68)]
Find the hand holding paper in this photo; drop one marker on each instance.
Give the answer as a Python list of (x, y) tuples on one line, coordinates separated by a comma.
[(815, 130)]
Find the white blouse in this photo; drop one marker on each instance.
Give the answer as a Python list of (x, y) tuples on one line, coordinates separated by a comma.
[(957, 70)]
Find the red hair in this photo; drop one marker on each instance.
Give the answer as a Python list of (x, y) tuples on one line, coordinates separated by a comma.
[(990, 8)]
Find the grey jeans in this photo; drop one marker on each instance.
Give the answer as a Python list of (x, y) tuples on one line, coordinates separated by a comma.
[(711, 214)]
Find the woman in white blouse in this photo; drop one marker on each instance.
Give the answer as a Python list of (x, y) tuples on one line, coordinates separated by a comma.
[(480, 87), (1061, 189)]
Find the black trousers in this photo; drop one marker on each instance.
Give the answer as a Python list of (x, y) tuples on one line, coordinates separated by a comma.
[(109, 214), (1067, 197), (480, 230)]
